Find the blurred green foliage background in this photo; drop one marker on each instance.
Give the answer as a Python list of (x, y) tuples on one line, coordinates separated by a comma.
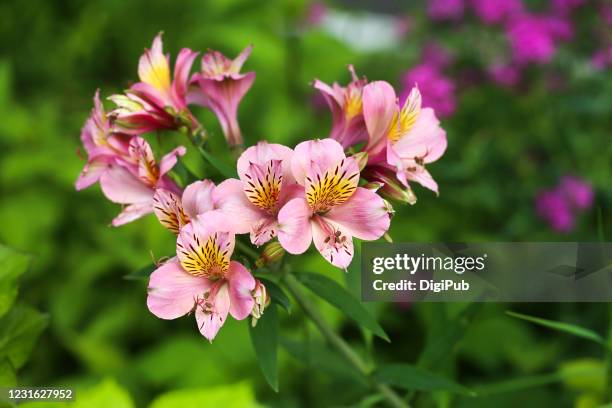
[(504, 146)]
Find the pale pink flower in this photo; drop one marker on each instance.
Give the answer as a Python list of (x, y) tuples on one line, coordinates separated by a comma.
[(133, 179), (333, 208), (156, 102), (221, 88), (203, 278), (403, 138), (103, 147), (175, 211), (266, 184), (348, 126)]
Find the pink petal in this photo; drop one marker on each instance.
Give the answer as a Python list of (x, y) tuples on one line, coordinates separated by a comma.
[(121, 186), (169, 160), (172, 292), (241, 283), (423, 177), (198, 198), (210, 321), (426, 140), (261, 154), (230, 199), (238, 62), (153, 66), (192, 249), (295, 232), (183, 64), (333, 242), (324, 153), (92, 172), (132, 213), (379, 107), (169, 210), (363, 216)]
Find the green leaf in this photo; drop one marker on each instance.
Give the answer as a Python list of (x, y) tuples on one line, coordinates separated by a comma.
[(319, 357), (264, 337), (12, 265), (7, 373), (563, 327), (225, 170), (182, 172), (19, 330), (410, 377), (226, 396), (342, 299), (277, 295), (142, 273), (104, 395)]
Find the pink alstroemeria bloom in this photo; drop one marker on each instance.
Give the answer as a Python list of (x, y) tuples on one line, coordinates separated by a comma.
[(174, 211), (333, 209), (404, 138), (102, 146), (266, 184), (221, 88), (203, 278), (156, 102), (133, 180), (348, 127)]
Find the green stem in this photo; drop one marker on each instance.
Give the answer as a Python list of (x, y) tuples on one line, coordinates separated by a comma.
[(337, 342), (247, 249)]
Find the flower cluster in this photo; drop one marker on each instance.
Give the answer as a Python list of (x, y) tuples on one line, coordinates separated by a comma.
[(323, 192), (560, 206)]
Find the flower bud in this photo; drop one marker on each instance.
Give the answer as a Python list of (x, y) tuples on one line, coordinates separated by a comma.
[(392, 188), (374, 186), (272, 252), (361, 158), (262, 300)]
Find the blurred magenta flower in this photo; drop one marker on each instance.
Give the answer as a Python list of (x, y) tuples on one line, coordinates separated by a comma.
[(266, 184), (436, 55), (221, 87), (202, 277), (566, 6), (156, 102), (506, 75), (496, 11), (578, 192), (404, 139), (533, 38), (348, 127), (602, 58), (560, 206), (332, 209), (316, 13), (133, 179), (103, 147), (445, 9), (552, 207), (437, 90)]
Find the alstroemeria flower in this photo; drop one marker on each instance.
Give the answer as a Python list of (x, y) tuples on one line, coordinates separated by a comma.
[(133, 180), (174, 211), (266, 184), (348, 126), (333, 209), (404, 138), (203, 278), (156, 102), (221, 87), (102, 146)]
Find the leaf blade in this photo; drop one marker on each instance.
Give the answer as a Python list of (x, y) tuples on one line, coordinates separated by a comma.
[(12, 265), (264, 337), (411, 377), (568, 328)]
